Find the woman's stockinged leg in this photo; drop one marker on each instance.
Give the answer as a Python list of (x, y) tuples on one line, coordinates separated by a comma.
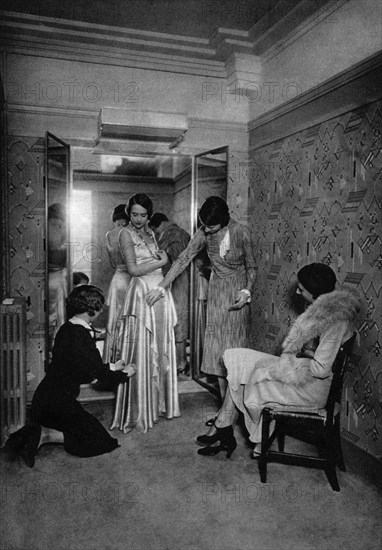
[(222, 387), (228, 413)]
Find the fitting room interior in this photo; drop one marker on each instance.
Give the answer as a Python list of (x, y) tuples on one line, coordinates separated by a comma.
[(276, 105)]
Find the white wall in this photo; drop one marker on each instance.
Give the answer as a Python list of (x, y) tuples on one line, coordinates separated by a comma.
[(319, 50)]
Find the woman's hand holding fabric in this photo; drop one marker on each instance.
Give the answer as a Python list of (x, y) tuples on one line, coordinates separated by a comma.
[(130, 370)]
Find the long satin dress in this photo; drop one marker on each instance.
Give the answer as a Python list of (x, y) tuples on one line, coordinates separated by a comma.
[(57, 283), (115, 299), (147, 341)]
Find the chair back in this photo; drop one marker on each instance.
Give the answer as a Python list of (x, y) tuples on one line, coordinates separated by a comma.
[(338, 369)]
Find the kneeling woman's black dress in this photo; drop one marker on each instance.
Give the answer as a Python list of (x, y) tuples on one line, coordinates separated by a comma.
[(75, 361)]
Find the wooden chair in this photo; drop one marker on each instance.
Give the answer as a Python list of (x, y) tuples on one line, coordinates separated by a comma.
[(321, 428)]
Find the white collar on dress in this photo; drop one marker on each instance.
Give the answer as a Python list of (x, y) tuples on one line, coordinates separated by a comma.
[(77, 321)]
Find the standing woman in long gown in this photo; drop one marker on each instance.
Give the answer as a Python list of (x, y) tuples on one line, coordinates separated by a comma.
[(147, 333), (119, 284), (233, 272)]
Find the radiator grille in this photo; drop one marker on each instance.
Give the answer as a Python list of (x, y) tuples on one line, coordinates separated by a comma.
[(13, 379)]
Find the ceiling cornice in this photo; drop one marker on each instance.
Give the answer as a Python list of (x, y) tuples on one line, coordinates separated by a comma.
[(230, 54)]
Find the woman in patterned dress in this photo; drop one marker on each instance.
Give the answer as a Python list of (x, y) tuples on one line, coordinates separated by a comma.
[(233, 272), (146, 333)]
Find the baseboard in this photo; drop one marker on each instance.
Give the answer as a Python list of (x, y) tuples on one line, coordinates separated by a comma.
[(362, 463)]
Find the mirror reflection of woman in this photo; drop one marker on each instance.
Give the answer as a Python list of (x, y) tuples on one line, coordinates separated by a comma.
[(233, 272), (146, 333), (119, 284), (57, 272)]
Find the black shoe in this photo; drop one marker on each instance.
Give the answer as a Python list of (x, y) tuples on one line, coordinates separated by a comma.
[(227, 442), (15, 442), (204, 440), (214, 450), (211, 421), (211, 439), (28, 454), (30, 449)]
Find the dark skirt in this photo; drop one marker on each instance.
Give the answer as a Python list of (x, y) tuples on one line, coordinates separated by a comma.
[(56, 407)]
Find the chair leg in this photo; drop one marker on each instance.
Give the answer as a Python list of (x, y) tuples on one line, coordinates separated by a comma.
[(331, 474), (331, 457), (280, 431), (338, 445), (266, 420)]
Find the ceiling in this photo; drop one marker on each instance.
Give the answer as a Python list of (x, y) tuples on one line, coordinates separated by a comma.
[(192, 18)]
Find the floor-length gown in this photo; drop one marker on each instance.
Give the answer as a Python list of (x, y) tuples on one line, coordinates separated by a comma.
[(147, 341), (115, 298)]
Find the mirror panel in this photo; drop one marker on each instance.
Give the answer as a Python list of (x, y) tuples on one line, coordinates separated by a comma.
[(80, 213), (210, 170), (103, 181), (57, 182)]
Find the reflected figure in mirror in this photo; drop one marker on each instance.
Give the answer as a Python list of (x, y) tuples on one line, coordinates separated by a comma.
[(173, 240), (116, 293), (233, 272), (57, 269), (147, 333)]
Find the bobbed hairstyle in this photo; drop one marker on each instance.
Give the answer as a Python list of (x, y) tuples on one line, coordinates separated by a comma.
[(143, 200), (214, 211), (84, 299), (119, 213), (79, 277), (317, 278), (156, 219)]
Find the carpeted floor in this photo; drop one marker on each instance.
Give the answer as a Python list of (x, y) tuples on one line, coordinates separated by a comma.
[(156, 493)]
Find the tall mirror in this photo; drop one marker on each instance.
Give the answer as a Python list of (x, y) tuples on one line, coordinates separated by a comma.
[(58, 261), (177, 184), (210, 178)]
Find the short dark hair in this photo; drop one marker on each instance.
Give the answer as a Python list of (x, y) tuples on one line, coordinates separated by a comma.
[(143, 200), (84, 298), (78, 276), (156, 219), (317, 278), (119, 213), (214, 211)]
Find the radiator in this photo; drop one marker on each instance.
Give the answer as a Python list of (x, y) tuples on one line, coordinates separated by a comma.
[(13, 372)]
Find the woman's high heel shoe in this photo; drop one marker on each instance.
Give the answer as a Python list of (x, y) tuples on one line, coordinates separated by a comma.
[(214, 450), (227, 442), (211, 439)]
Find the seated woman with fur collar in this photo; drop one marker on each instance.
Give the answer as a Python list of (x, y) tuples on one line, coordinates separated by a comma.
[(301, 376)]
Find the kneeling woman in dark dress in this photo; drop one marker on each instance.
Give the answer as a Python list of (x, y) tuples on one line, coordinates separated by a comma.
[(75, 361)]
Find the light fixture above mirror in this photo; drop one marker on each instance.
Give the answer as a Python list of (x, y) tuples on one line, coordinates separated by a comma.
[(125, 124)]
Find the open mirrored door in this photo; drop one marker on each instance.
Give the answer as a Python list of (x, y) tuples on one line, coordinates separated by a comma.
[(58, 273), (210, 176)]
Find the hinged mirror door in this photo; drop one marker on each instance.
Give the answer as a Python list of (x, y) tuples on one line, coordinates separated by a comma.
[(58, 273), (210, 170)]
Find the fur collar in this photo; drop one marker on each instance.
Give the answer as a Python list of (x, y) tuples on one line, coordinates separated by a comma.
[(326, 311)]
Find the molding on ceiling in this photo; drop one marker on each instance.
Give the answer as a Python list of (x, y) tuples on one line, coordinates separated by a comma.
[(307, 21), (228, 54)]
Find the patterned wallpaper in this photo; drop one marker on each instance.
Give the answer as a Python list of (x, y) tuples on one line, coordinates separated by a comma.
[(26, 233), (316, 196)]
